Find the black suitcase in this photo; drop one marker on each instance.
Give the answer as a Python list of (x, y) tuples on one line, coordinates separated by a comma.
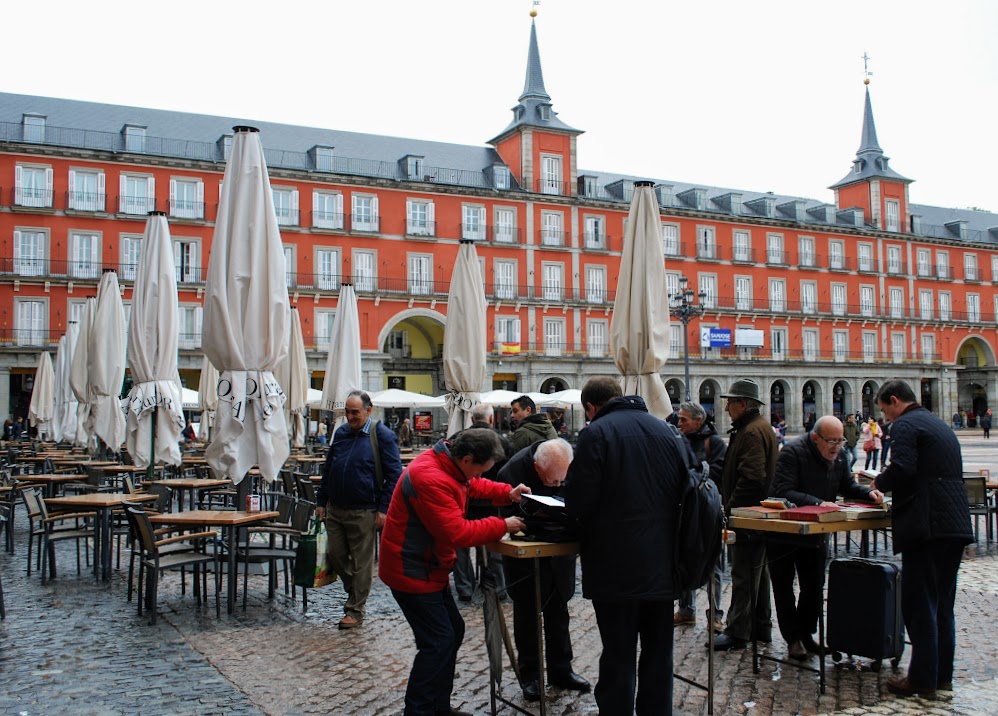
[(864, 610)]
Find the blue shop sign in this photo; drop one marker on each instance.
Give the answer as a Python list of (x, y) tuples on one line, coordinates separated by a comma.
[(715, 337)]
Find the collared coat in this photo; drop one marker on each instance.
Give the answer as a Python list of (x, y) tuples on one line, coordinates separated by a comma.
[(751, 461), (805, 477)]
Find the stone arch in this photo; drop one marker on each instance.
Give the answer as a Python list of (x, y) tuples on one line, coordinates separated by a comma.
[(810, 400), (975, 352), (842, 399), (553, 384), (779, 390), (676, 390), (868, 398), (408, 316), (708, 394)]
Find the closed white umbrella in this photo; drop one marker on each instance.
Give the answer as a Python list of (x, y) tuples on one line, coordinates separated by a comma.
[(41, 409), (58, 408), (395, 398), (79, 376), (66, 399), (465, 349), (207, 400), (155, 417), (293, 376), (106, 363), (639, 328), (343, 372), (245, 318)]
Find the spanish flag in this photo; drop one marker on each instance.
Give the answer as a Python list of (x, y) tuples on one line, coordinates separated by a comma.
[(510, 348)]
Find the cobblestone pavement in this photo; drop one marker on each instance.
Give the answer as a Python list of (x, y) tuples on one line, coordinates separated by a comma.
[(76, 646)]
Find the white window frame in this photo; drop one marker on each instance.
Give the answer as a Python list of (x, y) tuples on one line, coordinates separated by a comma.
[(671, 245), (595, 284), (504, 225), (473, 222), (836, 255), (894, 261), (809, 344), (30, 251), (554, 337), (31, 321), (924, 261), (775, 253), (899, 349), (777, 295), (184, 207), (928, 347), (551, 174), (132, 203), (741, 242), (504, 273), (597, 338), (892, 210), (778, 341), (83, 197), (131, 252), (286, 205), (926, 304), (869, 346), (552, 228), (420, 274), (290, 267), (867, 301), (507, 331), (806, 253), (85, 262), (945, 306), (36, 193), (325, 320), (840, 346), (840, 299), (324, 158), (974, 307), (706, 242), (970, 267), (420, 217), (135, 139), (327, 210), (365, 269), (364, 212), (743, 293), (808, 297), (895, 295), (942, 264), (552, 281), (327, 268), (189, 323), (994, 269), (864, 257), (33, 128), (187, 259), (594, 232), (707, 283)]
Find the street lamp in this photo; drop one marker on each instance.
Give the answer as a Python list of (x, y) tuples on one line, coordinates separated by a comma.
[(681, 306)]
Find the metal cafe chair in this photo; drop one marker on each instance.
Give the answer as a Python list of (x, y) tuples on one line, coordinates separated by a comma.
[(50, 530)]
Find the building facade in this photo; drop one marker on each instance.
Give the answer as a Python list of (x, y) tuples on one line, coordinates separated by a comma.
[(819, 302)]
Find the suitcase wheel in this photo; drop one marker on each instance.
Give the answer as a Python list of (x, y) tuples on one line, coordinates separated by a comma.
[(836, 656)]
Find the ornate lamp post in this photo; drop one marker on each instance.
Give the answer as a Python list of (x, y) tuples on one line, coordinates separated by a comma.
[(681, 306)]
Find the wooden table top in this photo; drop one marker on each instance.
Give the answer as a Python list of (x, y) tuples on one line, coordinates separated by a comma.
[(126, 468), (807, 528), (310, 458), (97, 500), (192, 483), (46, 478), (212, 517), (84, 461), (519, 549)]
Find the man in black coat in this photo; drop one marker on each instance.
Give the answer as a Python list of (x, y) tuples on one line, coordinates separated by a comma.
[(624, 488), (810, 470), (542, 467), (931, 525)]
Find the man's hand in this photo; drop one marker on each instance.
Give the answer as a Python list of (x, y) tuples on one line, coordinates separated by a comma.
[(379, 520), (827, 504), (877, 496), (514, 524), (517, 493), (320, 512)]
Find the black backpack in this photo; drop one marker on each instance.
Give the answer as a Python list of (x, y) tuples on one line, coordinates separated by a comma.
[(700, 522)]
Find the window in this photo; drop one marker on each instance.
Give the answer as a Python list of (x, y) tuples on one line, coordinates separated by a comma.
[(86, 190), (867, 302), (928, 347), (327, 210), (136, 194), (596, 339), (187, 198), (708, 290), (29, 252), (869, 346), (187, 258), (670, 239), (836, 255), (706, 242), (994, 268), (85, 253), (671, 285), (894, 264), (286, 206), (924, 259), (365, 213), (189, 318), (324, 321), (135, 138), (324, 159), (414, 168), (551, 288), (925, 304), (500, 177), (595, 232), (225, 144), (30, 322), (865, 257), (774, 248), (808, 297), (675, 340), (778, 339), (893, 207), (473, 223), (398, 345), (840, 345), (131, 251), (973, 308), (742, 250), (554, 336), (839, 299), (33, 127), (809, 336), (596, 284), (807, 258), (327, 269), (743, 293), (897, 301), (290, 267), (942, 264), (364, 275), (419, 218), (945, 304), (551, 229), (508, 334), (420, 274), (550, 174), (505, 225), (777, 295), (970, 267), (75, 310), (32, 186), (505, 279), (897, 347)]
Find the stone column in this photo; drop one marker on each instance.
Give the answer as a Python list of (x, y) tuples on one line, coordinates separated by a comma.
[(5, 405)]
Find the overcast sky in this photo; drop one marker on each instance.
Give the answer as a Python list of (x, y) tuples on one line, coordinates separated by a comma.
[(759, 96)]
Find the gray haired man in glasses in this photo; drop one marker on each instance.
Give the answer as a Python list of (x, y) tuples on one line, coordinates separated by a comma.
[(810, 470)]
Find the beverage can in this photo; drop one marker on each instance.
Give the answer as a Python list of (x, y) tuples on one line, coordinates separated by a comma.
[(252, 503)]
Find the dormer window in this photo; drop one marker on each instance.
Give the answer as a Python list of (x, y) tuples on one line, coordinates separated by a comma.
[(225, 146), (135, 138), (500, 177), (33, 128), (545, 112), (322, 158), (414, 168), (587, 186)]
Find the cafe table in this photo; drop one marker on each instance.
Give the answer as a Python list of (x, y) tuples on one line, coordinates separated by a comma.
[(101, 503), (311, 463), (48, 482), (230, 521), (192, 485)]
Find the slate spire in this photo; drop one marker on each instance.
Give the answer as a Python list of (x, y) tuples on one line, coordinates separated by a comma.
[(533, 84), (870, 161)]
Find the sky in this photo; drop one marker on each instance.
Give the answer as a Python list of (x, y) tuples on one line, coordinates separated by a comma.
[(756, 96)]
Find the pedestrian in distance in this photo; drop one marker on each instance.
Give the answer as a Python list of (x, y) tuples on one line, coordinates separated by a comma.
[(850, 431), (986, 425), (885, 442), (871, 442)]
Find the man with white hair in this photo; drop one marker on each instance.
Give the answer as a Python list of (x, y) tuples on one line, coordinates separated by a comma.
[(542, 467)]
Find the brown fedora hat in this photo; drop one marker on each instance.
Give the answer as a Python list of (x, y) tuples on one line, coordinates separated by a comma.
[(744, 390)]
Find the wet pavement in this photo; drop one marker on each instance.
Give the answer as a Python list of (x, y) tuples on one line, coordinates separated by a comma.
[(76, 646)]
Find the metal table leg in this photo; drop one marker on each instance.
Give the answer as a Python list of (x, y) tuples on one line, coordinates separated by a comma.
[(540, 636)]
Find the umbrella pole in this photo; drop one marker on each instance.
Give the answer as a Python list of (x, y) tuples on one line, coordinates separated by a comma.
[(150, 469)]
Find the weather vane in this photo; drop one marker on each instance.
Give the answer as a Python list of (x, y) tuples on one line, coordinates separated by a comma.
[(533, 10), (866, 69)]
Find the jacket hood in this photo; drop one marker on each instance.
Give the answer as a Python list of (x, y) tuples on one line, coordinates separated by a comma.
[(441, 453), (627, 402)]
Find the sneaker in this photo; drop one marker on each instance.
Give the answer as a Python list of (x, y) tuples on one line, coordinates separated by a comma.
[(681, 619)]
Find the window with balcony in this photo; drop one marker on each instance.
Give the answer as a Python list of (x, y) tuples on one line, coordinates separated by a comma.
[(596, 284), (928, 347), (33, 128), (970, 267), (187, 258), (840, 345), (131, 251), (473, 222), (554, 336), (867, 301), (708, 290), (420, 274), (675, 340), (894, 263), (505, 279), (86, 190), (75, 309), (742, 250), (552, 229), (187, 198), (505, 225), (508, 334), (327, 269), (552, 282), (419, 218), (923, 257), (670, 239), (806, 251), (808, 297), (550, 174), (595, 232), (29, 252), (893, 207), (777, 295), (325, 319), (839, 299), (189, 319), (286, 205), (597, 344), (31, 319), (973, 308), (706, 242), (290, 267), (945, 306), (898, 350), (994, 269), (774, 248), (865, 261), (925, 305), (135, 138), (778, 341), (327, 210), (365, 213), (85, 255), (869, 346), (33, 186), (942, 264), (836, 256), (136, 194), (743, 293), (896, 297), (364, 270)]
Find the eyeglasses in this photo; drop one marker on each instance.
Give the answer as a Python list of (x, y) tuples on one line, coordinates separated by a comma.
[(837, 443)]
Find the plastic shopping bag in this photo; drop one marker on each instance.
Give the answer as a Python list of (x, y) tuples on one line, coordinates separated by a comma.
[(311, 561)]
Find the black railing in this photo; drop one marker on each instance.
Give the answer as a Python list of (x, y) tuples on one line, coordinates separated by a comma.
[(505, 234), (776, 257), (420, 228), (328, 220), (840, 263), (36, 198), (138, 205), (595, 241), (809, 261), (364, 223), (553, 238), (85, 201), (287, 217), (743, 255), (472, 232), (552, 188), (184, 209)]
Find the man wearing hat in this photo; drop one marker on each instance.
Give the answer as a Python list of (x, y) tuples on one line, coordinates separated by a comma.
[(745, 480)]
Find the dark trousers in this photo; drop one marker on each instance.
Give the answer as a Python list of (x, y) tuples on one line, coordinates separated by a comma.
[(797, 616), (621, 626), (928, 591), (871, 456), (557, 642), (439, 630), (749, 576)]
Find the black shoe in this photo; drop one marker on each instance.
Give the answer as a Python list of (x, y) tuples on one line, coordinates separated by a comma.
[(726, 642), (765, 638), (453, 712), (464, 597), (572, 681), (532, 691), (811, 645), (797, 651)]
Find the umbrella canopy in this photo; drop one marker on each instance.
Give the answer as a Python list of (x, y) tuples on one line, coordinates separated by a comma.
[(343, 361), (572, 396), (395, 398), (66, 402), (245, 318), (58, 408), (189, 400), (314, 399), (293, 376), (42, 407), (79, 377), (465, 350), (639, 328), (153, 336), (207, 397), (106, 363)]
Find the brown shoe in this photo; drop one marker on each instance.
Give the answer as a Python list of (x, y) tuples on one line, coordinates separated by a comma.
[(348, 622), (797, 651), (680, 619), (902, 687)]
